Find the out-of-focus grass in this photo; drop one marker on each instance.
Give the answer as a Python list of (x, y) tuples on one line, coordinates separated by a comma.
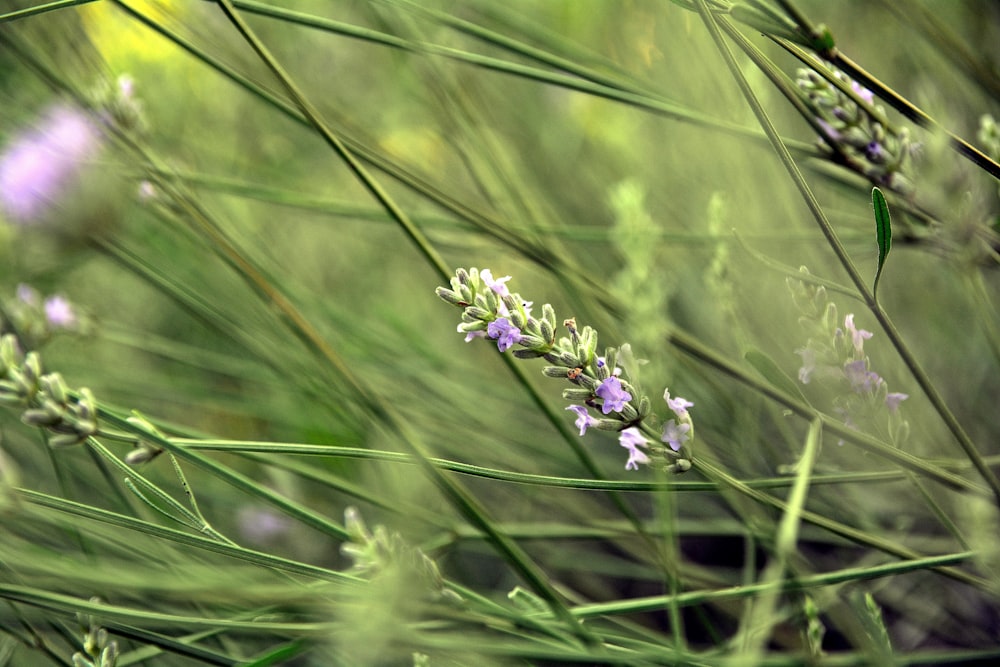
[(602, 155)]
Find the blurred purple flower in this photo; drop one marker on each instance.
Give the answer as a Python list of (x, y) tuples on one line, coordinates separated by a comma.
[(863, 92), (614, 396), (631, 439), (858, 336), (37, 166), (27, 294), (861, 379), (893, 399), (261, 526), (583, 418), (59, 312)]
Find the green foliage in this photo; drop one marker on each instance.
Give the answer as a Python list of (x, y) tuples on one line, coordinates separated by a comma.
[(239, 428)]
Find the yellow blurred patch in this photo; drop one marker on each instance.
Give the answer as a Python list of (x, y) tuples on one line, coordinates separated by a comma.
[(121, 39)]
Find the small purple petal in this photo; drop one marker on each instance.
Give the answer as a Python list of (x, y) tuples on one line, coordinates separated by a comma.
[(583, 418), (893, 399), (497, 285), (505, 333), (471, 335), (863, 92), (631, 439), (614, 396), (675, 435), (858, 336), (860, 378), (679, 405)]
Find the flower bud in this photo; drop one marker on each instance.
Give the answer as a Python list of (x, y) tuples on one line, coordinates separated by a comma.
[(577, 394), (450, 296), (605, 424), (54, 385), (32, 368)]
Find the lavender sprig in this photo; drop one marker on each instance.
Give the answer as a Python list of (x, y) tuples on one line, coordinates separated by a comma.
[(44, 397), (598, 384), (835, 356), (860, 140)]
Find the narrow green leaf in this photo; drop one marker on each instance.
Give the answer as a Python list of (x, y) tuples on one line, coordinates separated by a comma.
[(282, 653), (883, 233), (771, 372)]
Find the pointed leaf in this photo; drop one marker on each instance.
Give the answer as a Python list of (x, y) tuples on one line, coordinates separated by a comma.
[(883, 233), (771, 372)]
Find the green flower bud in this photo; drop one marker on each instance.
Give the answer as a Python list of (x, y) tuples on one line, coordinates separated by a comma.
[(577, 395), (54, 385), (450, 296)]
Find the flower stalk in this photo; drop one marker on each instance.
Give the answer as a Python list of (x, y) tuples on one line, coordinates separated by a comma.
[(598, 386)]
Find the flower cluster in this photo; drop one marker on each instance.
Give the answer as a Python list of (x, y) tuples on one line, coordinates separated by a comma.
[(598, 385), (854, 128), (834, 356), (44, 397), (35, 319)]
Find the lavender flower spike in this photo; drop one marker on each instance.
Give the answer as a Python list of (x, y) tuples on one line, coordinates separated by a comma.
[(36, 168)]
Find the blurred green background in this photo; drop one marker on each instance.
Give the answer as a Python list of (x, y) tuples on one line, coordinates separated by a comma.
[(617, 198)]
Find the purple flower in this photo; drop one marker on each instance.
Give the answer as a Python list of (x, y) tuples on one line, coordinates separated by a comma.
[(678, 405), (875, 152), (471, 335), (858, 336), (495, 285), (631, 439), (675, 434), (59, 312), (614, 396), (893, 399), (862, 92), (505, 333), (861, 379), (583, 418), (36, 167)]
